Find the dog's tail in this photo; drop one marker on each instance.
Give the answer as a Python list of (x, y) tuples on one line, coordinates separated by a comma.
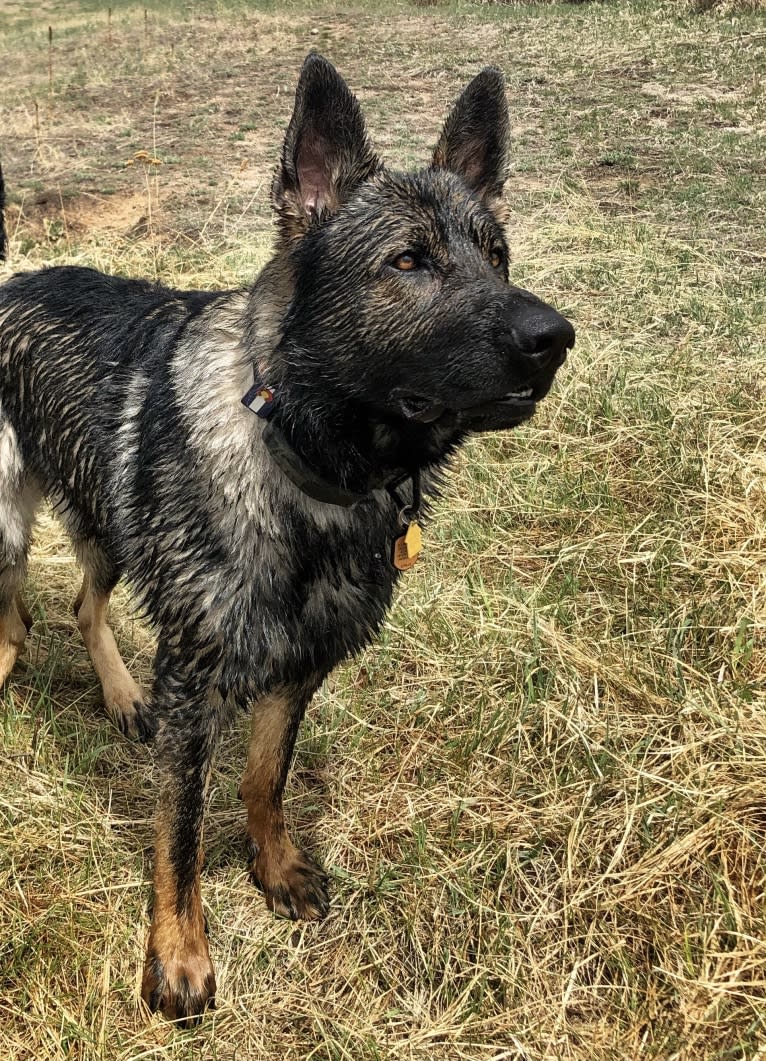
[(3, 239)]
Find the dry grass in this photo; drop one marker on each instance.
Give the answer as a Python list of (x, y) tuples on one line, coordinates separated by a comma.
[(728, 7), (541, 796)]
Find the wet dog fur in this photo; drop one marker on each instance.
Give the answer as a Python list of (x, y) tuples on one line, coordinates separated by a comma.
[(388, 331)]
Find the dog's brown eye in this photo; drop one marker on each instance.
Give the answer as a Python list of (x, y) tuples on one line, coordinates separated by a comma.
[(405, 262), (496, 258)]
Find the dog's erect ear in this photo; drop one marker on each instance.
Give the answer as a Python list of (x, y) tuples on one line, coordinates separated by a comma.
[(326, 152), (475, 140)]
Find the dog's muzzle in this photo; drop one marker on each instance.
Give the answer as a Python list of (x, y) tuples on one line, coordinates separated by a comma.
[(533, 348), (531, 340)]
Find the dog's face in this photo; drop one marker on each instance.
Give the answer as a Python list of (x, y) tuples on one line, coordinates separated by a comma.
[(402, 280)]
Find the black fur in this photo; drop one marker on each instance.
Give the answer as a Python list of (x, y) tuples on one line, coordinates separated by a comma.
[(387, 328), (3, 237)]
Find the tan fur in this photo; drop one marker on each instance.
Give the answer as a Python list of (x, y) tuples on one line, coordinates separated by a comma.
[(177, 940), (121, 693), (13, 632), (291, 881), (269, 724)]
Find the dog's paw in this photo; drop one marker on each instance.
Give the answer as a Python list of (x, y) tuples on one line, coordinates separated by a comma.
[(181, 986), (13, 631), (9, 653), (294, 886), (130, 714)]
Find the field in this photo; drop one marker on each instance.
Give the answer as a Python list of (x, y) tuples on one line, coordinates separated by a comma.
[(542, 795)]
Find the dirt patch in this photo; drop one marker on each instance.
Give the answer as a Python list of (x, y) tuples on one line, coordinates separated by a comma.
[(50, 216)]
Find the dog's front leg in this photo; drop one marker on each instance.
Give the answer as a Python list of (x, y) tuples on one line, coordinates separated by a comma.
[(292, 882), (178, 975)]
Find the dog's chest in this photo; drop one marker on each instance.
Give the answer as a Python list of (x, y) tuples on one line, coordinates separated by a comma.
[(299, 584), (319, 591)]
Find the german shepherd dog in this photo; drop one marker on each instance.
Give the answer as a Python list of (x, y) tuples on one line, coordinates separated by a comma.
[(250, 461)]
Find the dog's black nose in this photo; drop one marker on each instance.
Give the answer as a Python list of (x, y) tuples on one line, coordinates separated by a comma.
[(538, 332)]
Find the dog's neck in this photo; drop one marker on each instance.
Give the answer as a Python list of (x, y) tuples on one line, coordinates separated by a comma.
[(332, 444), (325, 490), (328, 449)]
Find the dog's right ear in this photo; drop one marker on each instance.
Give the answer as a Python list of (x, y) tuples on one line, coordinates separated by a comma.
[(326, 152)]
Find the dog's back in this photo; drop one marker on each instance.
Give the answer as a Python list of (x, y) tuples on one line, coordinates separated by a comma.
[(64, 385)]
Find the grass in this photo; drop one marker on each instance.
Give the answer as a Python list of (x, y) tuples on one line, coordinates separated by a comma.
[(541, 794)]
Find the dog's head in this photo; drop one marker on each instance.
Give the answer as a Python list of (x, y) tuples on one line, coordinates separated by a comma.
[(400, 281)]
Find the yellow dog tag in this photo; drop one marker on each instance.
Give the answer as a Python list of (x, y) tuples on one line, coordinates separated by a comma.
[(413, 539), (407, 547)]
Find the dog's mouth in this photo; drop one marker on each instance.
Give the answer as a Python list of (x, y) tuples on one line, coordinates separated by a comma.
[(494, 414), (509, 411)]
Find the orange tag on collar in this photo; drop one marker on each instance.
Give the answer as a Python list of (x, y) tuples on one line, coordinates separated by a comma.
[(407, 548), (413, 539)]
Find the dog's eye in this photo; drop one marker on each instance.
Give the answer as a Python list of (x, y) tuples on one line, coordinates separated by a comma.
[(405, 262), (496, 257)]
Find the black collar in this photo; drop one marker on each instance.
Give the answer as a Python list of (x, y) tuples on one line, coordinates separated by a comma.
[(311, 482), (262, 400)]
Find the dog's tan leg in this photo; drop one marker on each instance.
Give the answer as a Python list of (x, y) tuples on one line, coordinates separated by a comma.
[(122, 696), (178, 979), (13, 632), (293, 884), (178, 975)]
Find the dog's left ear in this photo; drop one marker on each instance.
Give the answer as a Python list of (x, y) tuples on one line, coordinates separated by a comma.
[(475, 140), (326, 152)]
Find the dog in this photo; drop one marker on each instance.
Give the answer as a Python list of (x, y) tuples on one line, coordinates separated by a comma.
[(255, 462)]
